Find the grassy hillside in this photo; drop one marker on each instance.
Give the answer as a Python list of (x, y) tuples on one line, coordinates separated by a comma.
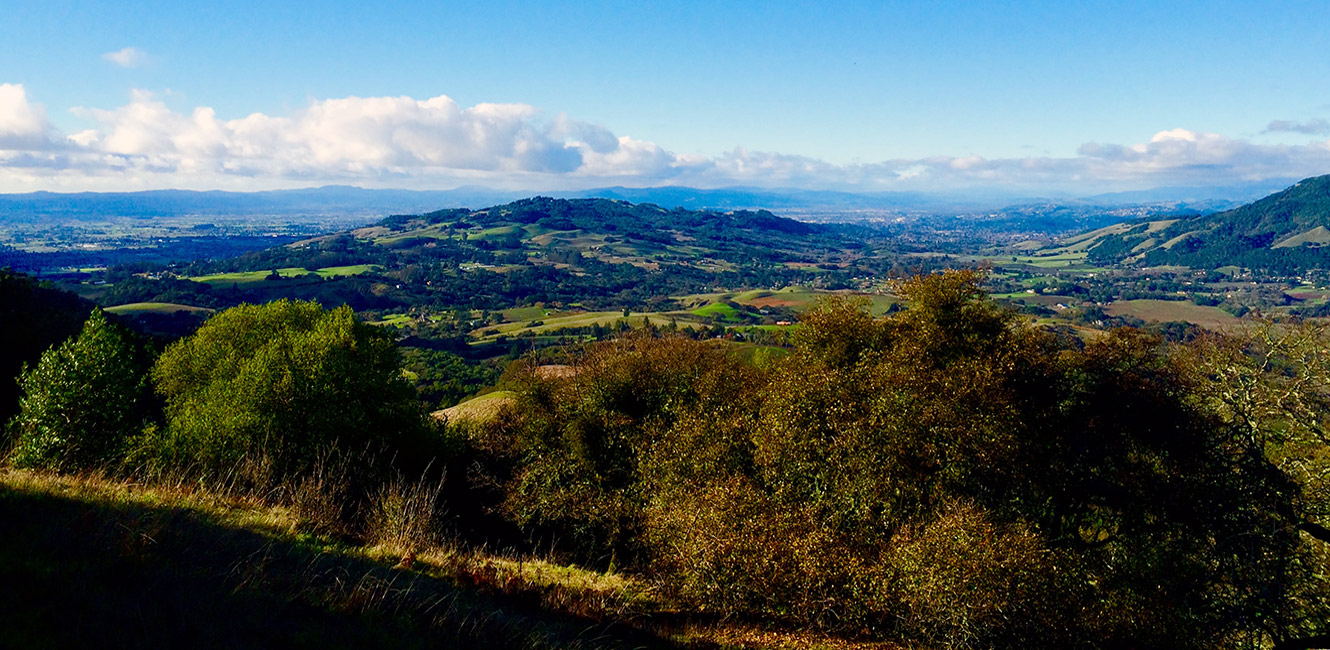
[(110, 564), (252, 277), (155, 308), (591, 254), (1282, 233), (572, 232)]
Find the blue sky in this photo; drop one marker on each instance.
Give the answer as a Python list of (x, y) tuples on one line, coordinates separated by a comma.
[(1061, 96)]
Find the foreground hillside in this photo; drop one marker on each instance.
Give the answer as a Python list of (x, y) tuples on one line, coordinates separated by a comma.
[(108, 564), (946, 475)]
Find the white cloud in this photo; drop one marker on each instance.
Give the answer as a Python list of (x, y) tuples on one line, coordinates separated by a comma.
[(23, 124), (129, 57), (406, 142), (353, 137)]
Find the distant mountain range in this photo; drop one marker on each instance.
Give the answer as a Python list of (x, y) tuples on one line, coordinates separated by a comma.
[(354, 204)]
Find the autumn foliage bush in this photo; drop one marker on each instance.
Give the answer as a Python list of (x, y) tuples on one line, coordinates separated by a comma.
[(947, 474)]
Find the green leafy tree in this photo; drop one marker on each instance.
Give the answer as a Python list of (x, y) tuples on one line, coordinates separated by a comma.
[(36, 316), (83, 400), (280, 384)]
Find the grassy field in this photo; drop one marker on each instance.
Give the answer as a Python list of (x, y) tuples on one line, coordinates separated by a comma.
[(394, 320), (496, 233), (759, 355), (796, 298), (517, 314), (251, 277), (477, 409), (431, 232), (384, 237), (1308, 292), (576, 319), (1080, 244), (1069, 261), (717, 310), (698, 310), (1032, 298), (879, 304), (155, 308), (1173, 310)]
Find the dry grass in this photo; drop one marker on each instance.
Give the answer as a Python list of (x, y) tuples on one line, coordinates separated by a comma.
[(242, 511), (114, 564), (1174, 310), (478, 409), (406, 517), (178, 566)]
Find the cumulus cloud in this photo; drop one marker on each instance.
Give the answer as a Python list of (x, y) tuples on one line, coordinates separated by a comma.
[(1179, 155), (23, 124), (1310, 127), (129, 57), (361, 138), (435, 142)]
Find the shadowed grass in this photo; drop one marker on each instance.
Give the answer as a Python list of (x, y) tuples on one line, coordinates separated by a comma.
[(88, 563)]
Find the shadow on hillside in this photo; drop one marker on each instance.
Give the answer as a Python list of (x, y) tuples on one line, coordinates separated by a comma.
[(120, 575)]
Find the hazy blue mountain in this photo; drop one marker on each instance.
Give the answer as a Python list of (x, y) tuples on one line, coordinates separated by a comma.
[(314, 202), (354, 203), (1220, 196)]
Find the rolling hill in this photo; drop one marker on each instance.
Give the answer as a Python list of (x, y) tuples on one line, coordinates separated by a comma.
[(572, 255), (1284, 233)]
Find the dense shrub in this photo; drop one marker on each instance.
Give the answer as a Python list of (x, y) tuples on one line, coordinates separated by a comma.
[(36, 316), (286, 386), (84, 400), (963, 581), (948, 475), (578, 442)]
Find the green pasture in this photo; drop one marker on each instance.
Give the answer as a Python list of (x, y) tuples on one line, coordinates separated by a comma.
[(717, 310), (481, 408), (521, 314), (394, 320), (155, 308), (251, 277), (580, 319)]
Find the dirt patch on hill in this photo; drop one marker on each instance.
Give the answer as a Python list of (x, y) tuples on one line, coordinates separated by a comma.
[(773, 301)]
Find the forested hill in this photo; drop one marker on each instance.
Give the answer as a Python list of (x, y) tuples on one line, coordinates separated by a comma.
[(593, 253), (644, 222), (1284, 233)]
